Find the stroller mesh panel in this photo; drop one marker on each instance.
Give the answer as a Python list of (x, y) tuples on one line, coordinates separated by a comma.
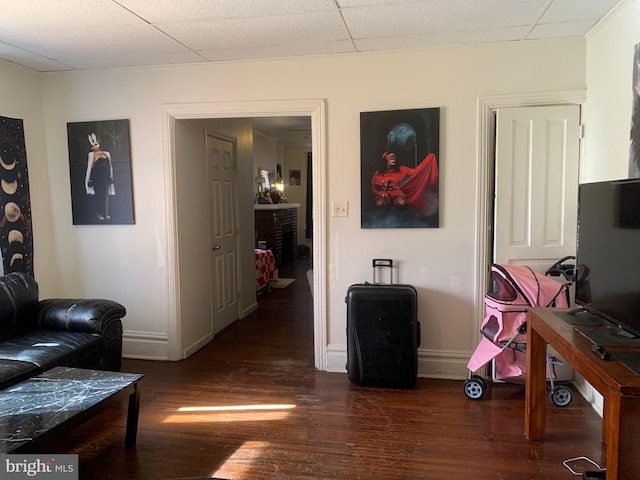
[(491, 329), (500, 289)]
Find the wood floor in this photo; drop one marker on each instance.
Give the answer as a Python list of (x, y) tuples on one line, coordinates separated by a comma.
[(257, 409)]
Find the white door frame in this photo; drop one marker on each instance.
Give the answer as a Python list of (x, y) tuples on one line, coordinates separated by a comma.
[(486, 148), (315, 108)]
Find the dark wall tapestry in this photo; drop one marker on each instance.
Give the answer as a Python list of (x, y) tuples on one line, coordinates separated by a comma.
[(16, 239), (400, 158), (100, 169), (634, 144)]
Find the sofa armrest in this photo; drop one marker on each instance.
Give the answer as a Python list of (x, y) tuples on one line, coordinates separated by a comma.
[(78, 315)]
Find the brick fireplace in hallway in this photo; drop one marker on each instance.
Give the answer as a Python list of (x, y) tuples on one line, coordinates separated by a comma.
[(277, 224)]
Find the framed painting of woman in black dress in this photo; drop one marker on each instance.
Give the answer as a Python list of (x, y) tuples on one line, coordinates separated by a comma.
[(400, 165), (100, 170)]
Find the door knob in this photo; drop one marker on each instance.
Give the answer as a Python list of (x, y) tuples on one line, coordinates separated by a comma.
[(215, 246)]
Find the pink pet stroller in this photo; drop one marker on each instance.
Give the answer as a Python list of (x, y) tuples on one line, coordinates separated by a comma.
[(513, 289)]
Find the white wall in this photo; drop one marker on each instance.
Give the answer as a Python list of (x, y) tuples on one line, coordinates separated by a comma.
[(609, 82), (610, 51), (129, 263), (193, 234), (21, 97)]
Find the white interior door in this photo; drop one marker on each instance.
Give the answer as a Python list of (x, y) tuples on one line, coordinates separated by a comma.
[(536, 189), (537, 155), (221, 171)]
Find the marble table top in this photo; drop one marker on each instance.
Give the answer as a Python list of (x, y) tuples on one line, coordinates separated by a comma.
[(38, 405)]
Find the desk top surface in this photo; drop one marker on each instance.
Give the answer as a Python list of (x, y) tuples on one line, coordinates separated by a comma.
[(576, 348)]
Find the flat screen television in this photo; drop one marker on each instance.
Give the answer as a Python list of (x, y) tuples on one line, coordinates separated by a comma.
[(608, 252)]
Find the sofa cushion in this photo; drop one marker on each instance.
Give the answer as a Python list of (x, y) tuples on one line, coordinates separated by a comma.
[(18, 302), (48, 348), (14, 371)]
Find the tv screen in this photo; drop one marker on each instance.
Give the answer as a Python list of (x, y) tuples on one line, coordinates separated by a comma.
[(608, 253)]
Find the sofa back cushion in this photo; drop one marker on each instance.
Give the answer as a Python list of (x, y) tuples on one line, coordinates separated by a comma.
[(18, 302)]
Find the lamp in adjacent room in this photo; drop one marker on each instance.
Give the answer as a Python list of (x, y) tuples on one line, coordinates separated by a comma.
[(260, 182), (277, 191)]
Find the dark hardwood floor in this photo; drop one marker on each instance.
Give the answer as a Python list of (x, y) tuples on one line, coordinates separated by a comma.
[(250, 405)]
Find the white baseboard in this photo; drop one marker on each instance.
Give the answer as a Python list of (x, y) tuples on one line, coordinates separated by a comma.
[(145, 345), (590, 394), (197, 346), (431, 363), (250, 309)]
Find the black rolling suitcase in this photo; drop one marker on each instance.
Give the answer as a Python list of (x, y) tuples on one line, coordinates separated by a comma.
[(383, 332)]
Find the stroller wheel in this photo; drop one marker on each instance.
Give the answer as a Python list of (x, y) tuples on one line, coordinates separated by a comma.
[(560, 395), (474, 387)]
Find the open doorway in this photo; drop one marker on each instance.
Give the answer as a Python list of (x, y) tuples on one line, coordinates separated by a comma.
[(282, 149), (315, 110)]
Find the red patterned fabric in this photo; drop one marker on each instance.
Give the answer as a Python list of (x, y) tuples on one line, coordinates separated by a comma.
[(265, 267)]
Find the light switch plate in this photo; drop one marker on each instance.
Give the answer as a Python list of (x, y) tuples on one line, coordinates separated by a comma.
[(340, 209)]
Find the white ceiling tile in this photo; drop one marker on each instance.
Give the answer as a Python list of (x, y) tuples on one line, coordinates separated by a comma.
[(115, 33), (160, 11), (38, 16), (575, 10), (97, 42), (412, 18), (30, 60), (367, 3), (135, 60), (443, 38), (256, 32), (558, 30), (318, 48)]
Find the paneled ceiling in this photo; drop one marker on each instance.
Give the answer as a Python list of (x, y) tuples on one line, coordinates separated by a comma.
[(58, 35), (54, 35)]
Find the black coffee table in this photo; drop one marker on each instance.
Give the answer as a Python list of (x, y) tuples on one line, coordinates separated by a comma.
[(54, 402)]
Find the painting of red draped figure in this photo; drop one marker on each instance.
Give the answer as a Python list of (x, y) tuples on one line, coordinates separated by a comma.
[(400, 166)]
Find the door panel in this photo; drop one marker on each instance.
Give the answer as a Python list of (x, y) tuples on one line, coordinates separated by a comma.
[(224, 238), (536, 189), (537, 152)]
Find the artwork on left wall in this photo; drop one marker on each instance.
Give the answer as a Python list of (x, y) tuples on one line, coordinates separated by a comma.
[(634, 137), (16, 239), (100, 170)]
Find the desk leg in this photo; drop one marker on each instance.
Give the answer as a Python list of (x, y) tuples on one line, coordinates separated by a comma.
[(536, 386), (132, 416), (622, 423)]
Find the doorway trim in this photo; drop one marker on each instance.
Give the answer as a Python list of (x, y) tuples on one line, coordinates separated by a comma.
[(487, 107), (314, 108)]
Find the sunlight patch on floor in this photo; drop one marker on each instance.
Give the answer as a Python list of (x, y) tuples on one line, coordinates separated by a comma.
[(230, 413), (242, 460)]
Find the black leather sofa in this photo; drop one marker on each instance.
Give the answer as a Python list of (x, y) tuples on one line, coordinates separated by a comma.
[(37, 335)]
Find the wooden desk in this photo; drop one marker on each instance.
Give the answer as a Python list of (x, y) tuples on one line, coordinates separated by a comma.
[(618, 385)]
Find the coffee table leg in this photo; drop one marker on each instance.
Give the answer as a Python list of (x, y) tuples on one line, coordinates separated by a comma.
[(132, 416)]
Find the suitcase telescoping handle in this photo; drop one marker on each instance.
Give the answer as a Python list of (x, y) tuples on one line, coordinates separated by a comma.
[(382, 262)]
